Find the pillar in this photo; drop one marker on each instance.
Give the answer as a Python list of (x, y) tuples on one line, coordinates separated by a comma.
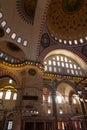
[(54, 104)]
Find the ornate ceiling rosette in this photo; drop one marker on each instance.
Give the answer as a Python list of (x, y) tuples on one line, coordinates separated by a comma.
[(67, 21), (32, 72), (45, 40), (26, 9)]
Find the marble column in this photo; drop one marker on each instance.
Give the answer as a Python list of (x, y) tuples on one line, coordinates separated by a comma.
[(54, 104)]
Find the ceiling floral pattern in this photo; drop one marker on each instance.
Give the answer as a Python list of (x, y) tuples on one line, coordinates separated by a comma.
[(67, 20)]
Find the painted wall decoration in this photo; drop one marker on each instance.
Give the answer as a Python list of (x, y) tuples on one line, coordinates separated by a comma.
[(45, 40), (32, 72), (26, 9), (29, 7), (72, 5)]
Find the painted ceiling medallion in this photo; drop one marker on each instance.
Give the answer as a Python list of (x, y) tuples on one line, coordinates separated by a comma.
[(26, 9), (32, 72), (45, 40), (71, 6)]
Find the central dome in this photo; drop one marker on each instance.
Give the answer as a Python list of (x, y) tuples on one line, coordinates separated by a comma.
[(67, 20)]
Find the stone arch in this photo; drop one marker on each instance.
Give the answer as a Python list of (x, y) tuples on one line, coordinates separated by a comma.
[(75, 86), (11, 75), (67, 52), (49, 86)]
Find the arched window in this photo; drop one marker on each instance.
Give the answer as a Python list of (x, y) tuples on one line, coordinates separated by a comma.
[(1, 94), (8, 94), (58, 99), (15, 96), (62, 64)]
